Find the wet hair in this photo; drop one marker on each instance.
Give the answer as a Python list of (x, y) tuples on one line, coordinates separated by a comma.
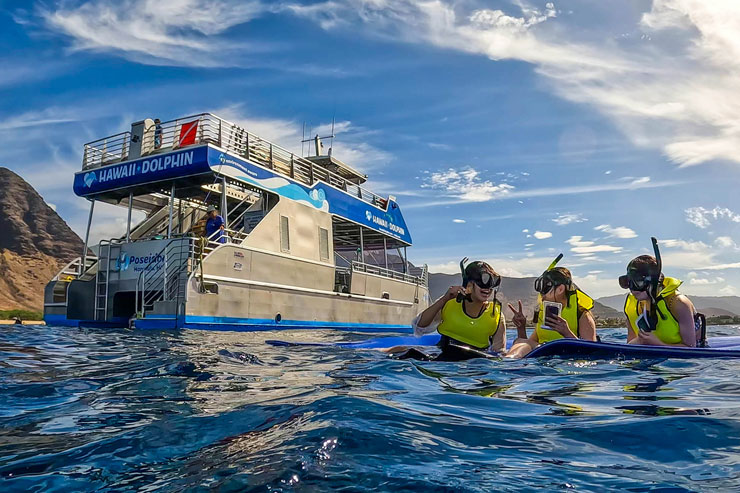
[(560, 276), (645, 265), (474, 270), (564, 272)]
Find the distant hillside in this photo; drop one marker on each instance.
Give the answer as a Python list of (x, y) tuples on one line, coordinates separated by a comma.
[(512, 289), (729, 304), (34, 244), (716, 312)]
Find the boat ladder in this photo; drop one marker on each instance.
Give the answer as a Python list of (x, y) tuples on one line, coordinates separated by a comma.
[(107, 249)]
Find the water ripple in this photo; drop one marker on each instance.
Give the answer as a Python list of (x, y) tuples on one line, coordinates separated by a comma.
[(119, 410)]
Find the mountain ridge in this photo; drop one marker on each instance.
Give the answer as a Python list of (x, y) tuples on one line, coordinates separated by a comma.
[(720, 304), (35, 244)]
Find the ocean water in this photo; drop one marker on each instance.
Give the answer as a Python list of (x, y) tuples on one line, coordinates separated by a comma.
[(119, 410)]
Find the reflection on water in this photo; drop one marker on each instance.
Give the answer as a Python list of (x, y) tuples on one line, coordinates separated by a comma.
[(84, 409)]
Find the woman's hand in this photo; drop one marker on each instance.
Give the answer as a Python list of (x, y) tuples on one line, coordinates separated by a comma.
[(559, 325), (519, 319), (453, 291), (648, 339)]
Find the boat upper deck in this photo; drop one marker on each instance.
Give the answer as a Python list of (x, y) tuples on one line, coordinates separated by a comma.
[(149, 139)]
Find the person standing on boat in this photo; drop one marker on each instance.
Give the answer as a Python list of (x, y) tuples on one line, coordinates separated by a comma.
[(157, 133), (215, 226), (657, 314), (575, 321), (466, 317)]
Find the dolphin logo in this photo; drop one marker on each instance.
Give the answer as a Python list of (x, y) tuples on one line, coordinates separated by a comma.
[(369, 215), (89, 179), (122, 262)]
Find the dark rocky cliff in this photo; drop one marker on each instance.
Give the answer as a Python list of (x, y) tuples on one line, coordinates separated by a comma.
[(34, 243)]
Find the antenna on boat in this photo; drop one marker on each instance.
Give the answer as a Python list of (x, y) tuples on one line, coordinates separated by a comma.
[(318, 146), (303, 137), (331, 144)]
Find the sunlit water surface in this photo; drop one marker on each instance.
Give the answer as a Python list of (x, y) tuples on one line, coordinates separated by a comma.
[(116, 410)]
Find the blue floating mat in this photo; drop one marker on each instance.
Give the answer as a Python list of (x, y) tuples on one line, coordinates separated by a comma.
[(719, 347)]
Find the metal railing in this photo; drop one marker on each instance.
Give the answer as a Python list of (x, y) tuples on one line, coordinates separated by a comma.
[(165, 279), (109, 150), (210, 129), (74, 268), (421, 279)]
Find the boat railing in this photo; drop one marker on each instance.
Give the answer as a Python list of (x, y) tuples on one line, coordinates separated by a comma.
[(391, 274), (165, 279), (74, 269), (207, 128), (109, 150)]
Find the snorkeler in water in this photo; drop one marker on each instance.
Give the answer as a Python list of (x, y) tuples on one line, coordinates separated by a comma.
[(468, 318), (564, 311)]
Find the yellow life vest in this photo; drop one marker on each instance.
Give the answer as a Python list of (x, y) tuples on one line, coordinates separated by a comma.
[(578, 302), (668, 329), (476, 332)]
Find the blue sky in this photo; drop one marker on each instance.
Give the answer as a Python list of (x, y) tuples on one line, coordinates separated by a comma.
[(508, 131)]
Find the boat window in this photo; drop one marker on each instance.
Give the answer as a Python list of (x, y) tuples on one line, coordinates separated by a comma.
[(323, 243), (284, 234)]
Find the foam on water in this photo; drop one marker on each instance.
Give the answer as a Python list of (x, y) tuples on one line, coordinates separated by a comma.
[(84, 409)]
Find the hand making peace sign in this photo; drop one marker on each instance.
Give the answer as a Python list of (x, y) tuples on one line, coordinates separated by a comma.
[(519, 319)]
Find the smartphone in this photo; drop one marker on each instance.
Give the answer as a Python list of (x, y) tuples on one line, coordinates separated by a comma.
[(552, 309), (643, 323)]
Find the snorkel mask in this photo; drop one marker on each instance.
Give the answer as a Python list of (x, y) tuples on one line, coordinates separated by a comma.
[(550, 278), (482, 278), (547, 281), (639, 281)]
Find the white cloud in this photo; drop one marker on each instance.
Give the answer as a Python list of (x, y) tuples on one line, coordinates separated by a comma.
[(47, 116), (577, 241), (697, 255), (565, 219), (725, 242), (703, 282), (510, 193), (459, 221), (466, 185), (669, 83), (588, 250), (542, 235), (597, 286), (618, 232), (525, 231), (180, 32), (703, 218)]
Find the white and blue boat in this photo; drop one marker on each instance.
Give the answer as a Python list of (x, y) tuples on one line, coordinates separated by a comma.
[(304, 244)]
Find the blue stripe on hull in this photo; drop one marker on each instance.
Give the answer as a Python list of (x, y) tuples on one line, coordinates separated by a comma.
[(258, 324), (60, 321)]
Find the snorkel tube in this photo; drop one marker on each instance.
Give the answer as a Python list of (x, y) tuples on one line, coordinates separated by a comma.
[(656, 250), (653, 292), (460, 297), (554, 263)]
